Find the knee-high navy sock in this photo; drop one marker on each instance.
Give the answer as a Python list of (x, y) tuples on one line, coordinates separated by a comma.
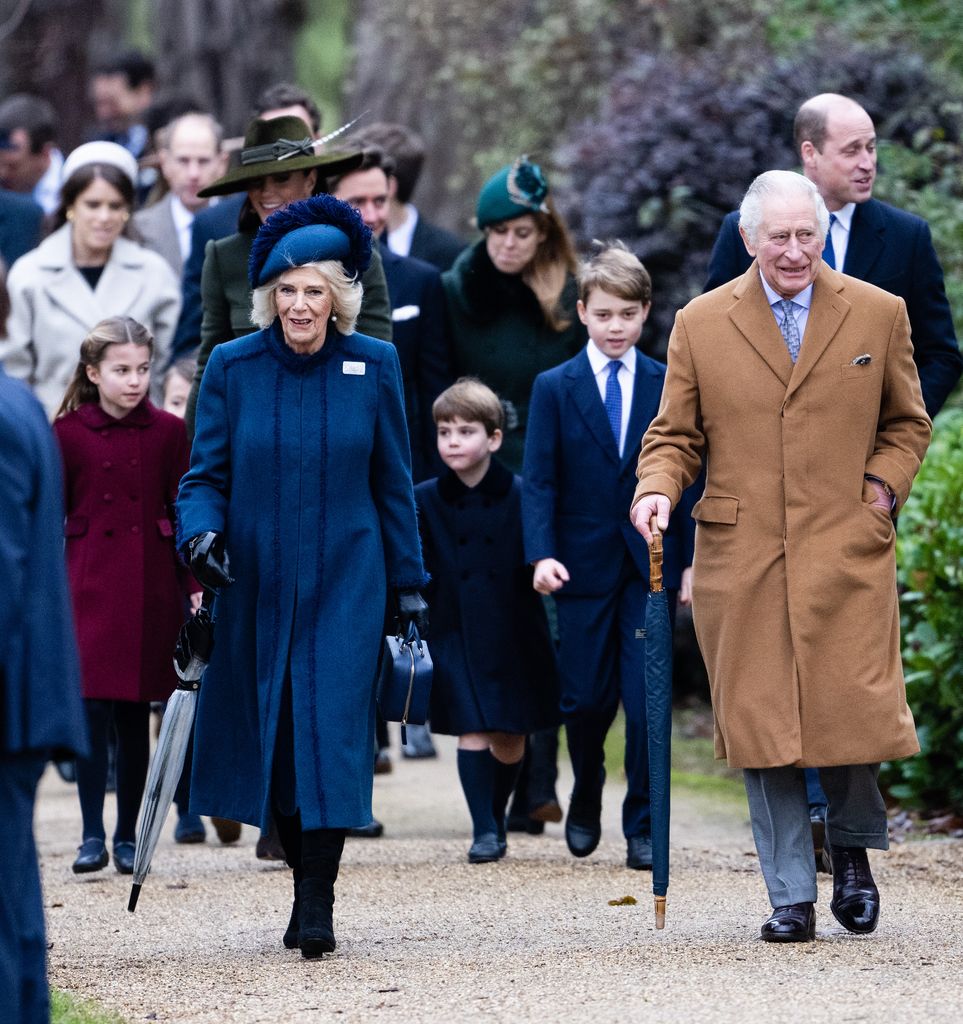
[(506, 775), (476, 769)]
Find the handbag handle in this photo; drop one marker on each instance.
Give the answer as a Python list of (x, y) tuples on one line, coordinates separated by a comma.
[(409, 643)]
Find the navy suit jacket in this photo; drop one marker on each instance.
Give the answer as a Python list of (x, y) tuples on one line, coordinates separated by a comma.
[(435, 245), (419, 333), (20, 223), (211, 223), (577, 491), (893, 250)]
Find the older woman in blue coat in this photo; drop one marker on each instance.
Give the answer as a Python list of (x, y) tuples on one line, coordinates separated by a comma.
[(301, 472)]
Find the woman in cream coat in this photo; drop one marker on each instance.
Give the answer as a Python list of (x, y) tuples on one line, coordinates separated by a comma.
[(84, 272)]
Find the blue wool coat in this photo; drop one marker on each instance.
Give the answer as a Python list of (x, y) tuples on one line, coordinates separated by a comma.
[(303, 463)]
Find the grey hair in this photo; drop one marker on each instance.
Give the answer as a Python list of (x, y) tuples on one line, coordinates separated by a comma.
[(778, 183), (345, 296)]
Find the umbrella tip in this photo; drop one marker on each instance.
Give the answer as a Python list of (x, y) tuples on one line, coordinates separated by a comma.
[(134, 895), (659, 913)]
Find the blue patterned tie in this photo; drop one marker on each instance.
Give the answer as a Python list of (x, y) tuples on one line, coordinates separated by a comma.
[(829, 253), (613, 400), (789, 328)]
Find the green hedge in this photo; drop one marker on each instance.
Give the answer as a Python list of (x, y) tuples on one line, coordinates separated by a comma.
[(930, 560)]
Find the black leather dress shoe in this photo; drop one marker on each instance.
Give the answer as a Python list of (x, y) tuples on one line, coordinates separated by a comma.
[(92, 856), (794, 923), (485, 849), (639, 856), (855, 903), (124, 858), (817, 822), (582, 833)]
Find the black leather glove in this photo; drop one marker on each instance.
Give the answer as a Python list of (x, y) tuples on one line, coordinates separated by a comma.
[(412, 608), (208, 560)]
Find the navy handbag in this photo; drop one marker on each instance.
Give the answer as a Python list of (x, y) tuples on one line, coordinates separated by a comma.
[(404, 686)]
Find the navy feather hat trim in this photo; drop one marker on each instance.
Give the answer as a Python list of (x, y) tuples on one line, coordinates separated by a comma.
[(310, 230)]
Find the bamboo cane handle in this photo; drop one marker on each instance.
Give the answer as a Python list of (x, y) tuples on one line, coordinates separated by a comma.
[(659, 913), (655, 557)]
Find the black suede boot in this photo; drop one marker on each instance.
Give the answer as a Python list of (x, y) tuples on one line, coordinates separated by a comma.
[(320, 860), (289, 832)]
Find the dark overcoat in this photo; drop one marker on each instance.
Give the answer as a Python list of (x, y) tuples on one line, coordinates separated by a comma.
[(892, 249), (302, 463), (499, 334), (127, 582), (40, 707), (494, 662)]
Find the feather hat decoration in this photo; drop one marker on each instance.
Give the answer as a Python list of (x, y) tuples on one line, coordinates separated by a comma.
[(514, 191), (310, 230)]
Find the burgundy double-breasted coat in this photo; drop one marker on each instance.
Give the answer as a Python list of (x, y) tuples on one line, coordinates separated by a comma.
[(126, 580)]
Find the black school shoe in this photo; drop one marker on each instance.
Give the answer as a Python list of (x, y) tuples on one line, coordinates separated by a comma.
[(486, 848), (92, 856), (124, 858)]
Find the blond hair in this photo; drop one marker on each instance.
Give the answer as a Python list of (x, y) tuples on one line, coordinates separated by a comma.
[(345, 296)]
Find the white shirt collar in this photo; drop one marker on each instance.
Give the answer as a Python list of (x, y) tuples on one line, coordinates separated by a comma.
[(599, 360), (844, 216), (804, 298)]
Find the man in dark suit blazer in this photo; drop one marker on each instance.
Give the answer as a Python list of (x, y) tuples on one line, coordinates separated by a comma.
[(880, 244), (215, 222), (578, 484), (418, 323), (20, 223)]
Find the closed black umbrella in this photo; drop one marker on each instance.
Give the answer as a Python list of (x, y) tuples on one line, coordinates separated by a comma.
[(191, 656), (658, 710)]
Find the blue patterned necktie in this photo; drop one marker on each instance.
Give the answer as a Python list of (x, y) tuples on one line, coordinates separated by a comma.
[(613, 400), (789, 328), (829, 253)]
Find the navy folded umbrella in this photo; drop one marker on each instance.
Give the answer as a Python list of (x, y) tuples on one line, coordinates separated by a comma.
[(194, 646), (658, 710)]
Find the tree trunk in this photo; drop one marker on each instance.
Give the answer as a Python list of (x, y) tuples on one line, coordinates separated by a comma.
[(224, 52)]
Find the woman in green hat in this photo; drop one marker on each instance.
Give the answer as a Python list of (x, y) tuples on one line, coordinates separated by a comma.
[(511, 296), (280, 163), (510, 300)]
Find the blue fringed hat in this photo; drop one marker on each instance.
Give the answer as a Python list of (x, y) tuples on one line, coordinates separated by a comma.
[(514, 191), (311, 230)]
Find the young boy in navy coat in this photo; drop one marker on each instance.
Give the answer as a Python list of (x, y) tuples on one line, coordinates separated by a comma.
[(586, 422), (495, 677)]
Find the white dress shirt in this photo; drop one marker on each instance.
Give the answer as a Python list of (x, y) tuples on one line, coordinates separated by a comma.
[(46, 193), (840, 233), (399, 239), (183, 222), (600, 367)]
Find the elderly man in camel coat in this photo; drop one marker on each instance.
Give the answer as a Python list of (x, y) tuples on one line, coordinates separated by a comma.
[(797, 385)]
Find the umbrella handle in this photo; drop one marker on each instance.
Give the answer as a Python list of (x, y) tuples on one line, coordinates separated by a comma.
[(659, 913), (655, 557)]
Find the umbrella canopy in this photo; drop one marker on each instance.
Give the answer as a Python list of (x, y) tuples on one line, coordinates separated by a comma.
[(194, 646), (658, 710)]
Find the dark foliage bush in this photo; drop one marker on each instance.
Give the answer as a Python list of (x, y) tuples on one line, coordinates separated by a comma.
[(930, 559), (677, 141)]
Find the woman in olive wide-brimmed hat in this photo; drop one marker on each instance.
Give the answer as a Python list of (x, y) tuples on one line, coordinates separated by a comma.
[(279, 164)]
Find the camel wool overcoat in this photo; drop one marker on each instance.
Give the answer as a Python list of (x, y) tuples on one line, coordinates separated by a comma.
[(794, 576)]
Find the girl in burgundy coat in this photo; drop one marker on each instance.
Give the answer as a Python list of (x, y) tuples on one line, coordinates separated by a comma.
[(123, 460)]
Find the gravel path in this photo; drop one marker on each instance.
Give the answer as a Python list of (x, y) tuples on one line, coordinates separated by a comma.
[(424, 936)]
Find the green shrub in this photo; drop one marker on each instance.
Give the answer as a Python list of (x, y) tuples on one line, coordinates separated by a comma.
[(930, 560)]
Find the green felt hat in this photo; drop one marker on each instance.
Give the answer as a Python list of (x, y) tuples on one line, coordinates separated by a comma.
[(277, 146), (514, 191)]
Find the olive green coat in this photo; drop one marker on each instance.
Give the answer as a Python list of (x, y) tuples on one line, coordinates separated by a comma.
[(794, 576), (226, 299), (498, 333)]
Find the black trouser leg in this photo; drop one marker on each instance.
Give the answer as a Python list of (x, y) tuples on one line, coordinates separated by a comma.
[(133, 756)]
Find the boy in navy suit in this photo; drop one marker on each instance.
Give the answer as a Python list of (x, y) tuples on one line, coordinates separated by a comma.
[(586, 422)]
